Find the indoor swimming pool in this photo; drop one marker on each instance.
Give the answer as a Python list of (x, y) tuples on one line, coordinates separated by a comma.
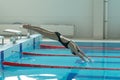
[(49, 60)]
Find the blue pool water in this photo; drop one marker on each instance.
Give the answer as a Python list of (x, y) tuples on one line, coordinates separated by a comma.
[(97, 70)]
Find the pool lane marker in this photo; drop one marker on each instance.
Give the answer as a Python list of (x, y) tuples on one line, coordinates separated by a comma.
[(33, 43), (51, 46), (45, 46), (64, 55), (2, 58), (20, 50), (54, 66)]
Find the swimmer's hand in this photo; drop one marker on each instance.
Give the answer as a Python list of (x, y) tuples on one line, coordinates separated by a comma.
[(87, 60), (90, 60), (84, 57)]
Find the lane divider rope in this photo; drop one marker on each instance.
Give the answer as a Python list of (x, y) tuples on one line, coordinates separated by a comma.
[(64, 55), (54, 66), (85, 47)]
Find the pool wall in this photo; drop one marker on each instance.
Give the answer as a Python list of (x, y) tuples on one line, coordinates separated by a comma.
[(12, 52)]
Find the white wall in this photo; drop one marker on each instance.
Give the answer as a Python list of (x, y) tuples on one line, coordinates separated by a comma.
[(113, 28), (75, 12), (98, 19)]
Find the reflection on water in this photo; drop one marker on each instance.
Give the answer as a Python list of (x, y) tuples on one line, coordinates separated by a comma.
[(33, 77)]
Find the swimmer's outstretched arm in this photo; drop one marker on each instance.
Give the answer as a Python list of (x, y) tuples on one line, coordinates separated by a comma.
[(57, 36), (83, 54), (77, 51)]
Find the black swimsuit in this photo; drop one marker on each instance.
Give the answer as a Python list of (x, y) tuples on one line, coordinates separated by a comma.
[(63, 43), (59, 39)]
